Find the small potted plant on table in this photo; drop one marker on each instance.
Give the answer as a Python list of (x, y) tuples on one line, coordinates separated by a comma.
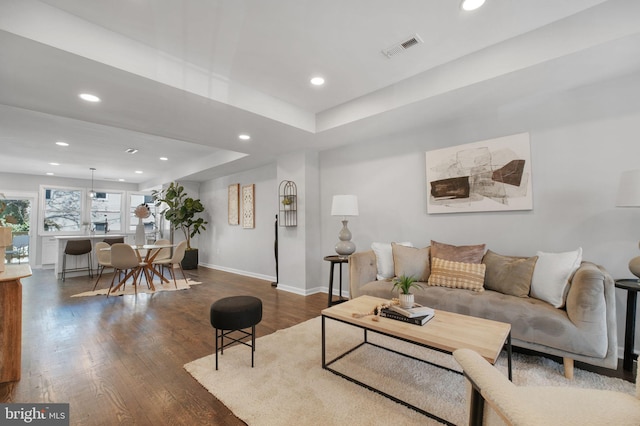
[(404, 284)]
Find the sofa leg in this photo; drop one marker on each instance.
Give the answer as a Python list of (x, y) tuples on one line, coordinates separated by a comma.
[(568, 368)]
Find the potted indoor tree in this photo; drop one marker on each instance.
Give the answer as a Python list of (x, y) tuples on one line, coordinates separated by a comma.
[(404, 284), (182, 212)]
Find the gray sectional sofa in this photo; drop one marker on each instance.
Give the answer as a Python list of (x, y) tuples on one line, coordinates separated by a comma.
[(584, 329)]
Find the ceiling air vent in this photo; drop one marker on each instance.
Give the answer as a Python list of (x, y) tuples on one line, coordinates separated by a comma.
[(402, 46)]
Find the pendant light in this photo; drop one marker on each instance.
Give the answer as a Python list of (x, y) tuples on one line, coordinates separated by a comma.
[(92, 194)]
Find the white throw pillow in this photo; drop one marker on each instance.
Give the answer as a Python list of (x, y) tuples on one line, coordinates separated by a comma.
[(551, 275), (384, 259)]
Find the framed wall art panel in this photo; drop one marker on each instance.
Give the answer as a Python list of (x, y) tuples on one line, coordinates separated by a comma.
[(248, 206), (234, 204), (490, 175)]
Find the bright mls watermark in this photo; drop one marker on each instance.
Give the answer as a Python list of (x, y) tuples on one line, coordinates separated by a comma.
[(34, 414)]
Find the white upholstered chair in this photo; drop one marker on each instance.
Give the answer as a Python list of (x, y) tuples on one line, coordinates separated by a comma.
[(104, 258), (161, 254), (178, 255), (124, 259), (541, 405)]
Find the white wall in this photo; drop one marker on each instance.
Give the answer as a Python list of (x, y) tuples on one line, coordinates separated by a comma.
[(231, 247), (576, 166), (575, 170)]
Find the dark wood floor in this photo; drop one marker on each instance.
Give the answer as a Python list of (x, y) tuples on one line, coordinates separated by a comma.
[(119, 360)]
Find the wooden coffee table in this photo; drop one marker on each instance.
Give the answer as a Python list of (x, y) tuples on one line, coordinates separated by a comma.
[(446, 332)]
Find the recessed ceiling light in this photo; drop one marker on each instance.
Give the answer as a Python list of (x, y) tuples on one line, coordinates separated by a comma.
[(89, 97), (139, 172), (469, 5), (317, 81), (164, 158), (120, 180), (131, 150), (54, 164), (244, 137), (60, 143), (49, 173)]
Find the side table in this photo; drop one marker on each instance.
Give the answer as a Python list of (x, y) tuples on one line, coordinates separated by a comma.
[(633, 287), (335, 260)]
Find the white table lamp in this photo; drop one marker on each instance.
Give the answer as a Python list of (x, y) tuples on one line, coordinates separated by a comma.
[(344, 205), (629, 196)]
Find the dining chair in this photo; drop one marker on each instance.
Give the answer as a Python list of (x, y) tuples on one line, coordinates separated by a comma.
[(77, 248), (163, 253), (160, 254), (124, 259), (104, 258), (178, 255)]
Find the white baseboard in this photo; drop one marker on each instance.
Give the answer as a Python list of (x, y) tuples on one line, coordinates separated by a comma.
[(281, 286), (239, 272)]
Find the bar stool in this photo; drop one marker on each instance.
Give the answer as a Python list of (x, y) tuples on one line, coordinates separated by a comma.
[(77, 248), (236, 313), (114, 240)]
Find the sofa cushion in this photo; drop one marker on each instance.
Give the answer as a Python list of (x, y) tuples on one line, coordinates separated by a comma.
[(509, 274), (552, 274), (411, 261), (465, 254), (447, 273), (384, 259)]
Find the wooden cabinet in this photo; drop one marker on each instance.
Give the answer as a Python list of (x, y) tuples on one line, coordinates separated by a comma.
[(11, 321)]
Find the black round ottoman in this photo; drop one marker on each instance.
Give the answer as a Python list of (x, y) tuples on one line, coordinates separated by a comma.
[(234, 314)]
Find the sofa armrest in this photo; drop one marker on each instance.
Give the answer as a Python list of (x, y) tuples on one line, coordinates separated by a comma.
[(362, 269), (591, 303)]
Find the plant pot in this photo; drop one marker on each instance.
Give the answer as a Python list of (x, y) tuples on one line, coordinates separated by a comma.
[(190, 260), (406, 300)]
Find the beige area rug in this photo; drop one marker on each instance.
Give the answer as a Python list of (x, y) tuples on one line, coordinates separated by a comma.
[(142, 287), (289, 386)]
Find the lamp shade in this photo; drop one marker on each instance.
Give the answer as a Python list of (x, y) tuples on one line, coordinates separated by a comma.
[(344, 205), (629, 189)]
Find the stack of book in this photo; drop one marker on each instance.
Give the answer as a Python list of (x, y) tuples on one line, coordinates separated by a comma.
[(418, 315)]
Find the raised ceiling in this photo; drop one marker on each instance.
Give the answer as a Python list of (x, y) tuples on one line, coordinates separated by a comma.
[(182, 79)]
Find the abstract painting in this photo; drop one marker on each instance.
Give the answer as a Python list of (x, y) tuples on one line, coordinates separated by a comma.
[(234, 204), (248, 206), (490, 175)]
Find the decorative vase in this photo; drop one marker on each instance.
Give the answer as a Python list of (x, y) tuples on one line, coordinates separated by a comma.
[(345, 246), (406, 300), (140, 235)]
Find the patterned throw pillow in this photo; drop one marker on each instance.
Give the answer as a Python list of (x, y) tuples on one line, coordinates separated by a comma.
[(447, 273)]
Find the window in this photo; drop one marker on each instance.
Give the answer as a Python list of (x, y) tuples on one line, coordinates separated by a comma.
[(62, 210), (106, 208)]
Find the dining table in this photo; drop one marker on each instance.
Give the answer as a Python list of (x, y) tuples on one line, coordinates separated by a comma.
[(146, 254)]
